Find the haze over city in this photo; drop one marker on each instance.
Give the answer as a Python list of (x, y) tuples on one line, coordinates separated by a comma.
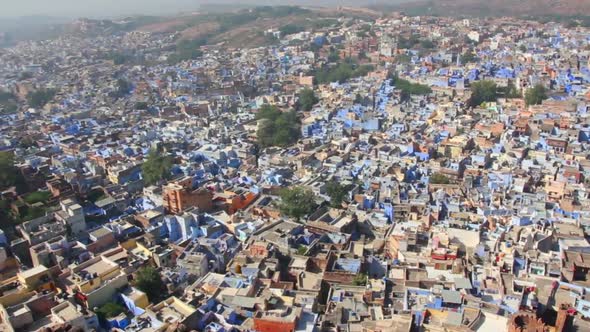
[(117, 8)]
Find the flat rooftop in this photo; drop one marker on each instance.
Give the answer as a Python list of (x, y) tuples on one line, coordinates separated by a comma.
[(66, 312), (98, 267), (34, 271)]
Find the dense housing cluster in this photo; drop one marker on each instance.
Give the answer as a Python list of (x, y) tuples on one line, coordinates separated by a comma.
[(395, 174)]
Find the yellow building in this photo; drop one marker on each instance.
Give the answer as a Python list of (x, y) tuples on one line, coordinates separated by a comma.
[(95, 281), (453, 147), (37, 278), (171, 312), (25, 285)]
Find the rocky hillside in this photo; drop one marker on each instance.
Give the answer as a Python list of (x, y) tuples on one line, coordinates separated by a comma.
[(498, 7)]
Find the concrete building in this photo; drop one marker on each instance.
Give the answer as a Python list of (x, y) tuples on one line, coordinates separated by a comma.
[(179, 196), (72, 216), (95, 282)]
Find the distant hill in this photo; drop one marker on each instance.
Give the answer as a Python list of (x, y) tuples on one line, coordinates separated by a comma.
[(245, 27), (29, 27), (240, 26), (577, 8)]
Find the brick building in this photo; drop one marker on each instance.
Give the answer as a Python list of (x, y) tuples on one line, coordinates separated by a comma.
[(284, 320), (179, 196)]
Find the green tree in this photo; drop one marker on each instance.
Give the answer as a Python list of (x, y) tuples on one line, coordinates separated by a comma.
[(360, 279), (408, 88), (297, 202), (535, 95), (187, 50), (403, 58), (26, 142), (110, 310), (301, 250), (96, 195), (483, 91), (33, 212), (314, 47), (7, 220), (149, 281), (123, 87), (156, 167), (427, 44), (8, 103), (119, 58), (277, 128), (358, 99), (438, 178), (337, 193), (141, 105), (10, 175), (39, 98), (269, 112), (511, 91), (37, 197), (290, 29), (333, 56), (341, 72), (307, 99), (469, 57), (25, 75), (407, 43)]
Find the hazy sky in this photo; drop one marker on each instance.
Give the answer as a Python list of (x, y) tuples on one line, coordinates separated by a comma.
[(12, 8)]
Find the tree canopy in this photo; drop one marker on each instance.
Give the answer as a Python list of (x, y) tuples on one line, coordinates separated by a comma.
[(110, 310), (510, 91), (535, 95), (149, 281), (468, 57), (6, 96), (408, 43), (290, 29), (341, 72), (358, 99), (297, 202), (408, 88), (403, 58), (37, 197), (10, 175), (39, 98), (301, 250), (307, 99), (483, 91), (360, 279), (156, 167), (277, 128), (438, 178), (123, 87), (187, 50), (8, 103), (427, 44), (333, 56), (119, 58), (337, 193), (141, 105)]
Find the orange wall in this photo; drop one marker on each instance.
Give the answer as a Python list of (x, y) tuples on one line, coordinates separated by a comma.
[(238, 203), (270, 326)]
